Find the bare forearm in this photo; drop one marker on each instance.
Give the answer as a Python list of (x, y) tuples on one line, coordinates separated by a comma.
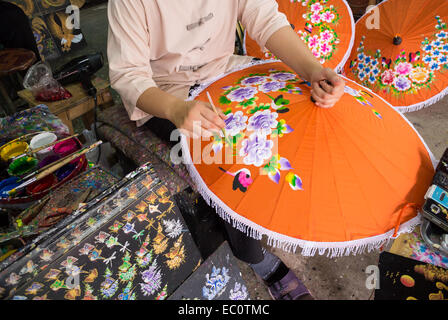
[(288, 47), (158, 103)]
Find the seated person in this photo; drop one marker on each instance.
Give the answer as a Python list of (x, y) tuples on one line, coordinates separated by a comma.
[(158, 50)]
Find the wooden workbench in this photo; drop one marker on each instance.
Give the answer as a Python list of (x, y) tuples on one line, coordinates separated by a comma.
[(79, 105)]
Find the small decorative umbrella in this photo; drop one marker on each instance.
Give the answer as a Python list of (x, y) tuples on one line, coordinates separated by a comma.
[(405, 60), (326, 26), (344, 179)]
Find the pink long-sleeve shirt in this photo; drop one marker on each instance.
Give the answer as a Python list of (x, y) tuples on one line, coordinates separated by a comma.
[(178, 42)]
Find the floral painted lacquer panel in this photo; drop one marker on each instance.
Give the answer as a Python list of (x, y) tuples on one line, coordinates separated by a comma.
[(218, 278), (143, 251)]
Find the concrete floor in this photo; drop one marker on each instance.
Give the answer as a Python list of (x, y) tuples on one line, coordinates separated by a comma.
[(340, 278)]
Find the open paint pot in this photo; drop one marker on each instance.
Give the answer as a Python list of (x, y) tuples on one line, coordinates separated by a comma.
[(65, 171), (41, 140), (66, 148), (42, 185), (22, 166), (48, 160), (13, 149), (8, 185)]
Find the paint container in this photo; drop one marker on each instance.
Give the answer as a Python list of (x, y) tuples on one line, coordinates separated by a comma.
[(41, 185), (41, 140), (8, 185), (48, 160), (13, 149), (22, 166), (65, 171), (66, 148)]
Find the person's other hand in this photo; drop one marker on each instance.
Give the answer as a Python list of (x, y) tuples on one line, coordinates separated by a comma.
[(326, 87), (188, 114)]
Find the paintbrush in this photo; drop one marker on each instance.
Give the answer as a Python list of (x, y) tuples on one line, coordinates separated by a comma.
[(216, 111), (30, 152), (49, 169)]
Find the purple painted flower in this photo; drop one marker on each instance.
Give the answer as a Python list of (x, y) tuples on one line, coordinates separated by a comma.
[(255, 80), (256, 150), (402, 83), (283, 76), (262, 122), (241, 94), (272, 86), (235, 123)]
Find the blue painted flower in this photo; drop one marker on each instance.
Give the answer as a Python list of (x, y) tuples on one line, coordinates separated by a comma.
[(427, 48), (372, 79), (241, 94), (272, 86), (361, 75), (434, 65), (445, 48), (374, 63), (442, 35), (436, 53), (262, 122), (367, 70), (427, 59), (361, 56), (443, 59), (361, 66), (375, 72), (368, 59)]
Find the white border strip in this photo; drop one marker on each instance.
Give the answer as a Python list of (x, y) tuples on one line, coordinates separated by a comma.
[(287, 243)]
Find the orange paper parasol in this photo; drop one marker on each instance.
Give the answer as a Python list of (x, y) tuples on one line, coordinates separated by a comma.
[(342, 178), (326, 26), (404, 57)]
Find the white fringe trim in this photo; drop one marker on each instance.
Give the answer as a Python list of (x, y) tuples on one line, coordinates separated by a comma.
[(287, 243), (194, 93), (340, 67)]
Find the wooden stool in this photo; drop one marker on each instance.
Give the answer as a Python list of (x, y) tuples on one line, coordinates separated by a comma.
[(79, 105), (11, 62)]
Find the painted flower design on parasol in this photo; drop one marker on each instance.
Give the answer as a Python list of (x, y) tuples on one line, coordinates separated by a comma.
[(242, 93), (272, 86), (283, 76), (263, 122), (319, 33), (235, 123), (408, 72), (256, 150), (250, 132), (253, 80), (272, 169)]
